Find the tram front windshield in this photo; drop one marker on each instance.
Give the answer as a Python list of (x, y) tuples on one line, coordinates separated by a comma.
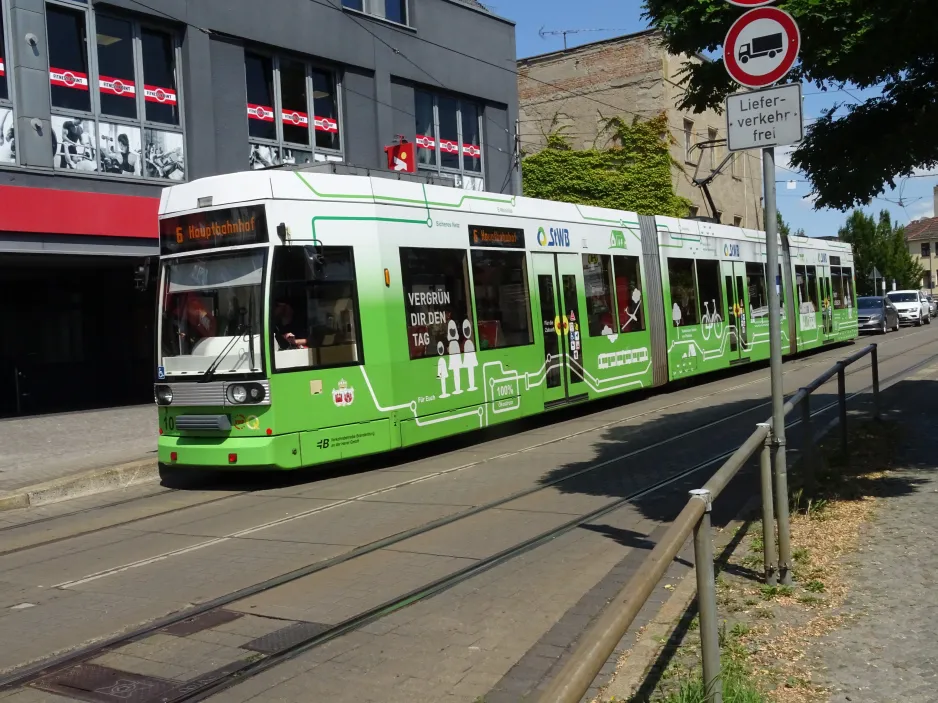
[(211, 314)]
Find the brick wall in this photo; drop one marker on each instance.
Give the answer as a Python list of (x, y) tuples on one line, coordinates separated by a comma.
[(575, 90)]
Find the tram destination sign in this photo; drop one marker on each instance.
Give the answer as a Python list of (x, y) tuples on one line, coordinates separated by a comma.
[(496, 237), (213, 229), (764, 118)]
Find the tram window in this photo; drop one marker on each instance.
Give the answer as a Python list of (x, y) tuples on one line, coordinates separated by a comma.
[(437, 302), (597, 278), (841, 287), (846, 275), (314, 316), (503, 305), (813, 301), (708, 284), (683, 292), (758, 294), (629, 293)]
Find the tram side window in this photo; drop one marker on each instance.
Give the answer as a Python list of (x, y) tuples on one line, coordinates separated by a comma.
[(814, 302), (437, 302), (840, 280), (846, 275), (708, 283), (758, 293), (683, 292), (629, 293), (314, 316), (597, 278), (503, 305)]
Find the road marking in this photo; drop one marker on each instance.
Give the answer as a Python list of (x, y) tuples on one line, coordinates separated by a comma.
[(347, 501)]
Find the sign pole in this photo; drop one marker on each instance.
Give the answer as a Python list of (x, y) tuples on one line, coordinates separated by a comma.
[(775, 361)]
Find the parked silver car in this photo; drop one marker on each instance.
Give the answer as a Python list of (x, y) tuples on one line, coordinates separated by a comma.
[(876, 314), (932, 304)]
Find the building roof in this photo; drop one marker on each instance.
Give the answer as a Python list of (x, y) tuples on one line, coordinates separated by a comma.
[(926, 228), (586, 47), (473, 3)]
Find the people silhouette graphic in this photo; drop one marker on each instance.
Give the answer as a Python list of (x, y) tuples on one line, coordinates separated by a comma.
[(455, 356), (469, 360)]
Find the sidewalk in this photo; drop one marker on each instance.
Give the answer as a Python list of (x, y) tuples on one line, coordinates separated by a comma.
[(42, 448), (886, 650)]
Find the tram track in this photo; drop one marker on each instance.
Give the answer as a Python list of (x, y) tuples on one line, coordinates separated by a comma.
[(798, 366), (201, 689)]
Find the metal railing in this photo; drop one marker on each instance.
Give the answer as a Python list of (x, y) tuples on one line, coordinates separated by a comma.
[(599, 642)]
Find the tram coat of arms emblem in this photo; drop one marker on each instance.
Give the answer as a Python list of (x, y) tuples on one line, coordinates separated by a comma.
[(343, 395)]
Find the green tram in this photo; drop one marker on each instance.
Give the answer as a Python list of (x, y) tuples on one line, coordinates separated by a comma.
[(308, 317)]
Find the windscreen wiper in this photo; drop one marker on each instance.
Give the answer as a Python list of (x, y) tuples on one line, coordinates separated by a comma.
[(210, 371)]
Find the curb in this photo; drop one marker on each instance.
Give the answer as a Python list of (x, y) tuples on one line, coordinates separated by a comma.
[(107, 478)]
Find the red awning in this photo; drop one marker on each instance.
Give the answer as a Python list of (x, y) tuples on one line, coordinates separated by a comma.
[(78, 212)]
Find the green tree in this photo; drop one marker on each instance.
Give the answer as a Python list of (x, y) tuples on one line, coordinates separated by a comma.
[(881, 244), (634, 174), (852, 155), (784, 228)]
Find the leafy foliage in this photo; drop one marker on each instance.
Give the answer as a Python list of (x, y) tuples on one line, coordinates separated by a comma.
[(634, 174), (882, 244), (784, 228), (865, 43)]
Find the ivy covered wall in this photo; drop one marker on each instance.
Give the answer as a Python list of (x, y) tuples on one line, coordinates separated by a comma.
[(634, 174)]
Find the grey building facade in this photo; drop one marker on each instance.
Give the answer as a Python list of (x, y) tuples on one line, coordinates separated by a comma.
[(102, 104)]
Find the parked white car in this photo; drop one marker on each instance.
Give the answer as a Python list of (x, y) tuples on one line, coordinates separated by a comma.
[(912, 306)]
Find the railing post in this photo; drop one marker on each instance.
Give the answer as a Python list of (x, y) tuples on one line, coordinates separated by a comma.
[(781, 512), (807, 444), (874, 366), (707, 603), (768, 516), (842, 401)]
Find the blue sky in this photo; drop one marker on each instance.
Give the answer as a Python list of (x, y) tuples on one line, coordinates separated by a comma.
[(623, 16)]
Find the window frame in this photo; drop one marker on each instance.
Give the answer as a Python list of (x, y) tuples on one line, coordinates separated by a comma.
[(713, 134), (375, 9), (616, 309), (337, 156), (696, 305), (7, 103), (926, 250), (475, 303), (737, 221), (437, 165), (360, 333), (734, 167), (688, 139), (608, 278), (95, 115)]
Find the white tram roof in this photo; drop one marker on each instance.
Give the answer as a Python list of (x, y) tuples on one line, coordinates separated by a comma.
[(253, 186)]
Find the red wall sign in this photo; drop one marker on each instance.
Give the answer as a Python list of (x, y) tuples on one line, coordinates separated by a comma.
[(402, 157)]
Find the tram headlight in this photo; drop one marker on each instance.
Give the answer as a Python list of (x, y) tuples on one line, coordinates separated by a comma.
[(164, 395), (237, 394)]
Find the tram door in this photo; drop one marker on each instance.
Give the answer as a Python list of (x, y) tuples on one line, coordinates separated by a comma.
[(827, 302), (737, 312), (560, 327)]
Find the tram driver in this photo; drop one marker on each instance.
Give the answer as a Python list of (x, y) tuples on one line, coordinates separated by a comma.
[(287, 328)]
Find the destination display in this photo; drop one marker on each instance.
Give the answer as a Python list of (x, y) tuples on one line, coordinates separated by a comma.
[(212, 229), (496, 237)]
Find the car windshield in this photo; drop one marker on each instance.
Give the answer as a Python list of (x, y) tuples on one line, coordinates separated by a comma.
[(869, 303), (903, 297), (212, 314)]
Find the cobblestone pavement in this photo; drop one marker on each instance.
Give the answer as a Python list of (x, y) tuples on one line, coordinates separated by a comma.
[(45, 447), (887, 652)]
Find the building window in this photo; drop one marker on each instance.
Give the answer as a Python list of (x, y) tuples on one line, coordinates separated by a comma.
[(503, 308), (926, 250), (448, 135), (7, 119), (688, 140), (391, 10), (437, 304), (314, 313), (102, 121), (289, 101), (737, 221), (694, 210), (926, 282), (734, 166)]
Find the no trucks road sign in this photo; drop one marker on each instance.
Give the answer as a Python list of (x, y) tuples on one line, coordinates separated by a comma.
[(761, 46)]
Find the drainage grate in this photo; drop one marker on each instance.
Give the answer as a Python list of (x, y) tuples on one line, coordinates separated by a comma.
[(286, 637), (205, 621), (99, 684)]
